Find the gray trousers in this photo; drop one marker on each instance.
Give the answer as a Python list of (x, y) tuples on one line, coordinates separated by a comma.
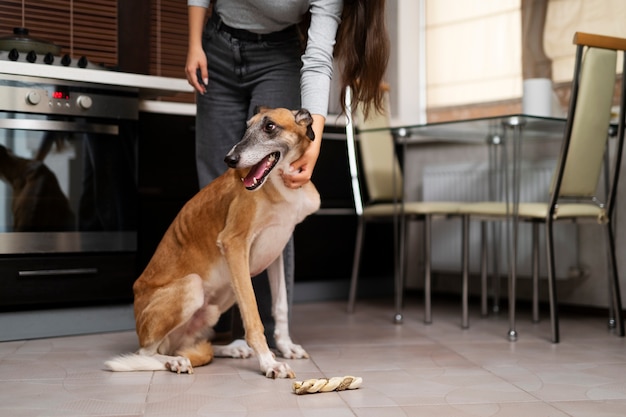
[(242, 76)]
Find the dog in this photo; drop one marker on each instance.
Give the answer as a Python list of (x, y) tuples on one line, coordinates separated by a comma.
[(233, 229), (38, 203)]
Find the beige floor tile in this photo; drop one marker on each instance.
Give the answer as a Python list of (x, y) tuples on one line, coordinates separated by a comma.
[(411, 369)]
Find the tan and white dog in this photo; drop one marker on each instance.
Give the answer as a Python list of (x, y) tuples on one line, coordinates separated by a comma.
[(233, 229)]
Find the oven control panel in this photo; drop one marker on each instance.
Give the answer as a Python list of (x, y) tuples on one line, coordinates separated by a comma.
[(66, 100)]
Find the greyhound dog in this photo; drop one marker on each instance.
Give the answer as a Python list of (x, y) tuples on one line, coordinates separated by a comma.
[(233, 229)]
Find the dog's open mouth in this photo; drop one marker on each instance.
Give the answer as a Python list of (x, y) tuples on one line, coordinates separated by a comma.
[(260, 171)]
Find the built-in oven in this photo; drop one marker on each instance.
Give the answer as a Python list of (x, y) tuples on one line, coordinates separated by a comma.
[(68, 191)]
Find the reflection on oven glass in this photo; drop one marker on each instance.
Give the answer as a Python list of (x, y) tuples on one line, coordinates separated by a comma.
[(37, 201), (61, 181), (108, 199)]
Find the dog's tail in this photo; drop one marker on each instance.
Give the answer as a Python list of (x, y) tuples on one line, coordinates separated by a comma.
[(134, 362)]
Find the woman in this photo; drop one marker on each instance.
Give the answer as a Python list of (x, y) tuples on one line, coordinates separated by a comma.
[(278, 54)]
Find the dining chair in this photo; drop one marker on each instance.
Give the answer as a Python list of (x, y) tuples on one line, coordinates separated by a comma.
[(384, 187), (577, 192)]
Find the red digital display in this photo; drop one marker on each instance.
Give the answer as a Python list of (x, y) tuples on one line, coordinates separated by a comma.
[(61, 95)]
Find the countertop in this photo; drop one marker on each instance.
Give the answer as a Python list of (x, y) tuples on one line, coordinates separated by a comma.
[(149, 86)]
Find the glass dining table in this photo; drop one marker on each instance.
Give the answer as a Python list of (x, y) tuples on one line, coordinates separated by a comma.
[(505, 137)]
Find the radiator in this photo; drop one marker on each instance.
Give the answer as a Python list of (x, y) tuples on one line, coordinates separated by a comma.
[(470, 182)]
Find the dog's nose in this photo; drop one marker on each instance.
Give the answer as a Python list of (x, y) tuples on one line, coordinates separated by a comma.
[(231, 160)]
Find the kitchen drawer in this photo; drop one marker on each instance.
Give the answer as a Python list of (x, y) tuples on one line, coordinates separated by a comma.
[(44, 281)]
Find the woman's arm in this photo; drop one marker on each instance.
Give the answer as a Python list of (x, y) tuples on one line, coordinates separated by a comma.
[(196, 58), (317, 68)]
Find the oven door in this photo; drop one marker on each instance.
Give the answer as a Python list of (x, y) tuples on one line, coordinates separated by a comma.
[(68, 209)]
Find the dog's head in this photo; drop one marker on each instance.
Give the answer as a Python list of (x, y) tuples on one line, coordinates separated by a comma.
[(6, 159), (274, 137)]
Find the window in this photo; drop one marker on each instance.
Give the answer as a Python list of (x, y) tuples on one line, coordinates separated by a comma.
[(79, 27), (473, 51)]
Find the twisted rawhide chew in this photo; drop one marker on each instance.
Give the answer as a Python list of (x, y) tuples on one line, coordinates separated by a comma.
[(338, 383)]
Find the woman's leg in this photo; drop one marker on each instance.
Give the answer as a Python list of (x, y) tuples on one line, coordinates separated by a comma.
[(223, 110), (242, 76)]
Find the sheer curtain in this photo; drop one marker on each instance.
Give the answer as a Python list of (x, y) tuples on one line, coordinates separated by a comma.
[(604, 17), (473, 51)]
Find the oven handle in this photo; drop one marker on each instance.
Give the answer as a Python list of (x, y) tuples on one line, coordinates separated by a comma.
[(58, 126), (55, 272)]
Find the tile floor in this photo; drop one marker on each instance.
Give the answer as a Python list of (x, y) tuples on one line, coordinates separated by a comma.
[(407, 370)]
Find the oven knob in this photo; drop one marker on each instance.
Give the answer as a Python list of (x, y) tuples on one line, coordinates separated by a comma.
[(33, 97), (66, 60), (14, 54), (84, 102), (31, 56), (82, 62), (48, 58)]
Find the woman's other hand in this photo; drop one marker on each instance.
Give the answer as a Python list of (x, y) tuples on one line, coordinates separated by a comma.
[(196, 68), (301, 170)]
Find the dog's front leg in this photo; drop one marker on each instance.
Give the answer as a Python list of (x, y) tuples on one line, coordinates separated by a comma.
[(280, 311), (238, 262)]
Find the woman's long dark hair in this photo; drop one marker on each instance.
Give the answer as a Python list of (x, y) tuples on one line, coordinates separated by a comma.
[(362, 53)]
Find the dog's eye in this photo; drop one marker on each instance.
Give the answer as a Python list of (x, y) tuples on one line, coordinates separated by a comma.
[(269, 127)]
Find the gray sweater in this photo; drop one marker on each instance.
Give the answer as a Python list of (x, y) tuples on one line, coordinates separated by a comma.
[(266, 16)]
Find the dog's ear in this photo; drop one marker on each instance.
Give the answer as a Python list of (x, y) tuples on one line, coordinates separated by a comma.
[(259, 108), (304, 117)]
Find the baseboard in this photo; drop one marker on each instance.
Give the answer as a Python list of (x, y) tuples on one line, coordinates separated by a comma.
[(35, 324), (339, 289)]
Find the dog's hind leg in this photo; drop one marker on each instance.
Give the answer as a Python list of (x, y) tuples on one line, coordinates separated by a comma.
[(280, 311), (183, 361), (173, 329), (236, 349), (199, 354), (167, 309)]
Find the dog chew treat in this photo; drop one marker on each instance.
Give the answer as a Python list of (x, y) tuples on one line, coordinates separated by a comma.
[(338, 383)]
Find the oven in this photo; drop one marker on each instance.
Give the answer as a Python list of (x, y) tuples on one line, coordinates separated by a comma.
[(68, 188)]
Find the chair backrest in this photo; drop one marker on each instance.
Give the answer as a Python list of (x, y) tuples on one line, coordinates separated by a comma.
[(587, 129), (375, 153)]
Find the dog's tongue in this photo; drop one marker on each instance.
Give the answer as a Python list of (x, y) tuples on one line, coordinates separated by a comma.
[(256, 172)]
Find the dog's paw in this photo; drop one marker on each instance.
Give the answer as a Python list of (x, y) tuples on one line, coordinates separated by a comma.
[(279, 370), (180, 365), (238, 349), (292, 351)]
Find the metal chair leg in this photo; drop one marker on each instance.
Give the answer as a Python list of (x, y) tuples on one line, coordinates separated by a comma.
[(496, 229), (616, 295), (554, 318), (484, 308), (535, 265), (465, 261), (428, 319), (360, 231), (399, 269)]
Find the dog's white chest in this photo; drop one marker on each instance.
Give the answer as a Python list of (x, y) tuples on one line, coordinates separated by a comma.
[(270, 242), (279, 221)]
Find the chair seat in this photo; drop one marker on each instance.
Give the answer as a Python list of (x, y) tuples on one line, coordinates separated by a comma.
[(535, 210), (432, 207), (413, 208), (381, 210)]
